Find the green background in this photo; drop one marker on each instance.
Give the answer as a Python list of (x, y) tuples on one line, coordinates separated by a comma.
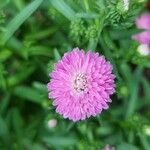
[(33, 36)]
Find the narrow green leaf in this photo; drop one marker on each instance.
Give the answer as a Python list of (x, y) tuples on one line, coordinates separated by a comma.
[(92, 44), (4, 133), (134, 94), (16, 22), (37, 146), (17, 123), (146, 86), (42, 34), (126, 73), (60, 141), (144, 141), (3, 3), (5, 54), (40, 86), (63, 8), (56, 54), (126, 146), (108, 55), (28, 93), (39, 50), (87, 15), (3, 83), (4, 103), (21, 75)]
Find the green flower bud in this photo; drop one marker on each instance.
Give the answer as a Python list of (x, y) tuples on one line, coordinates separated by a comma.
[(92, 32), (77, 30)]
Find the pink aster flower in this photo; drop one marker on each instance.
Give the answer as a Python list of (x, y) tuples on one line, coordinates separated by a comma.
[(107, 147), (81, 84), (143, 22), (143, 38)]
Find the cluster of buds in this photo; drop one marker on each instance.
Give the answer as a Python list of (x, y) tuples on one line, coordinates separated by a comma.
[(77, 30), (91, 32)]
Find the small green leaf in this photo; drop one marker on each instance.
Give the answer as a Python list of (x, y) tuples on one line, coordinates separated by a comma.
[(56, 54)]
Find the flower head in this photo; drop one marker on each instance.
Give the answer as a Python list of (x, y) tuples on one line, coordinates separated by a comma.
[(143, 37), (143, 22), (81, 84)]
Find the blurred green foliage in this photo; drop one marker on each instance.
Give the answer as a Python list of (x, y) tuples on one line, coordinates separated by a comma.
[(33, 36)]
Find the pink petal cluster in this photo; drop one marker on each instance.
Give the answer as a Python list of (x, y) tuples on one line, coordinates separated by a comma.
[(143, 22), (107, 147), (81, 84)]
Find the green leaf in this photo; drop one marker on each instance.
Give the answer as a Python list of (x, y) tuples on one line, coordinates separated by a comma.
[(108, 55), (56, 54), (19, 4), (87, 15), (92, 44), (21, 75), (3, 83), (42, 34), (60, 141), (5, 54), (28, 93), (37, 147), (4, 133), (126, 73), (16, 22), (144, 141), (3, 3), (134, 94), (63, 8), (146, 86), (17, 123), (39, 50), (40, 86), (4, 103), (126, 146)]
